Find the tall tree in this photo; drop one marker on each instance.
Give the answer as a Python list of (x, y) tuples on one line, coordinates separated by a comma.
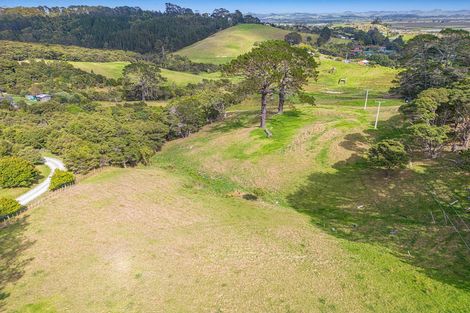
[(460, 104), (297, 66), (261, 67), (325, 35), (293, 38), (432, 61), (142, 79)]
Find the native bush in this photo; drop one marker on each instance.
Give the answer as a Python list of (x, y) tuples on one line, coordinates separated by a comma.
[(17, 172), (8, 206), (61, 179), (388, 153)]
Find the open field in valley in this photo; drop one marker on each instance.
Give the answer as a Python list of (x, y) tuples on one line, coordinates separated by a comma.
[(115, 70)]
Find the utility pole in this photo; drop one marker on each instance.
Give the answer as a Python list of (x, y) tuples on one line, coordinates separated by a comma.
[(367, 97), (377, 115)]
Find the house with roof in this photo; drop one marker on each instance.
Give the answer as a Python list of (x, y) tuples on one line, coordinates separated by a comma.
[(42, 97)]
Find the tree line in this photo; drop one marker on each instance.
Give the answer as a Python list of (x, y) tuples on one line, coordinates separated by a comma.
[(87, 135), (33, 77), (436, 85), (275, 67), (122, 28)]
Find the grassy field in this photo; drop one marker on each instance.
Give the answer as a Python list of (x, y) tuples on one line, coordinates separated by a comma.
[(228, 44), (359, 78), (108, 69), (228, 220), (326, 234), (183, 78), (115, 70), (14, 193)]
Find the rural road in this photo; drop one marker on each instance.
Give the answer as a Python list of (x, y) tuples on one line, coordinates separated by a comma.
[(43, 187)]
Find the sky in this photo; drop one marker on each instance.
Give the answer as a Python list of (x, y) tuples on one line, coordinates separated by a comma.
[(264, 6)]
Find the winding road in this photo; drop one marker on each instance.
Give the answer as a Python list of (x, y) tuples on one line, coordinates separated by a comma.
[(43, 187)]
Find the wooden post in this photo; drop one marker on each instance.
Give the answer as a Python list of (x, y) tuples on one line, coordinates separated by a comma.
[(367, 97), (377, 115)]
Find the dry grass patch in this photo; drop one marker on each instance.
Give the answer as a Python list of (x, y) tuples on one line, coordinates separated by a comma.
[(144, 241)]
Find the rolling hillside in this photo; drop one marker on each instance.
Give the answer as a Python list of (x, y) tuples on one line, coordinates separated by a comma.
[(227, 214), (227, 44), (229, 220), (114, 70)]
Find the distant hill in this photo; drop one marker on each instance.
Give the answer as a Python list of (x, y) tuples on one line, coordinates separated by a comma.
[(228, 44), (348, 16), (123, 28), (19, 51)]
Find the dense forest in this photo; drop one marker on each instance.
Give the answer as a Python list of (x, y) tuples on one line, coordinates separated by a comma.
[(20, 51), (33, 77), (87, 135), (122, 28)]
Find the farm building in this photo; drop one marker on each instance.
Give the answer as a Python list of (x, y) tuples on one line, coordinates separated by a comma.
[(43, 97)]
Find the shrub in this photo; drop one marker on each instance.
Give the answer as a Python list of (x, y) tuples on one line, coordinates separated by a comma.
[(29, 154), (17, 172), (5, 148), (60, 179), (388, 153), (293, 38), (8, 206)]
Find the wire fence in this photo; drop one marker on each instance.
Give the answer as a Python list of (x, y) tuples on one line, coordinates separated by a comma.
[(9, 219)]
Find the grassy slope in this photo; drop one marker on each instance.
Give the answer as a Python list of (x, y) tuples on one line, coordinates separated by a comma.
[(183, 78), (330, 235), (358, 77), (229, 43), (108, 69), (114, 70)]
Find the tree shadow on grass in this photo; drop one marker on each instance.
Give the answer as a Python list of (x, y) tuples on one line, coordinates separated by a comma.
[(248, 119), (361, 204), (13, 243), (237, 121)]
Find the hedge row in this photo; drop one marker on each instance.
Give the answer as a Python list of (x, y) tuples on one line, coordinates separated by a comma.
[(61, 179), (8, 206)]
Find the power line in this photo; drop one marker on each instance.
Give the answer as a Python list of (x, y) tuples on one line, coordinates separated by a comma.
[(446, 217), (455, 211)]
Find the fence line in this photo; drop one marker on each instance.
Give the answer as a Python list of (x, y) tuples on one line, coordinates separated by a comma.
[(9, 219)]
